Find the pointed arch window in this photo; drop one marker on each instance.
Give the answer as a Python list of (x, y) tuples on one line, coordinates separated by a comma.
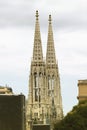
[(36, 86), (51, 85), (49, 82), (52, 82)]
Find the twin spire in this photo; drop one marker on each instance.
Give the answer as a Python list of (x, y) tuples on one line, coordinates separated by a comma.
[(37, 50), (50, 55)]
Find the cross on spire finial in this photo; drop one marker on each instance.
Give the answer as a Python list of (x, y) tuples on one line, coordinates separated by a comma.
[(37, 15), (50, 19)]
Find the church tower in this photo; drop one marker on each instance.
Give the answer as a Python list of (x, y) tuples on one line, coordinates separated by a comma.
[(44, 100), (36, 99), (53, 78)]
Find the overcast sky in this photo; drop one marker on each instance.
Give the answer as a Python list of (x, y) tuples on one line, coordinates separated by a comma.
[(17, 24)]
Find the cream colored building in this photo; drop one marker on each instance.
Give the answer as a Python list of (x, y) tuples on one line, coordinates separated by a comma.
[(44, 103), (82, 89), (5, 90)]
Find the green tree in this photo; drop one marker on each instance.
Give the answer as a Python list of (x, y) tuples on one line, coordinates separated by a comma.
[(75, 119)]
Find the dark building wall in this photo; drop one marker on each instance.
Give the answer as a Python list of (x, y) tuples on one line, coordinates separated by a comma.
[(12, 113), (41, 127)]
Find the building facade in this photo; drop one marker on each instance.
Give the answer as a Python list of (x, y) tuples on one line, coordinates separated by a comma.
[(82, 90), (5, 90), (12, 112), (44, 103)]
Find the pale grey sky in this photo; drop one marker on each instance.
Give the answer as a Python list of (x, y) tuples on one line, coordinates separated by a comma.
[(17, 24)]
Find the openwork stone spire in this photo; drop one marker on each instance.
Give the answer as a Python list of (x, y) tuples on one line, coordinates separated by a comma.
[(53, 78), (50, 56), (37, 50)]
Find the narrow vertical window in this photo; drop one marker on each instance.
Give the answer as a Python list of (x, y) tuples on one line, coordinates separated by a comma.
[(36, 86)]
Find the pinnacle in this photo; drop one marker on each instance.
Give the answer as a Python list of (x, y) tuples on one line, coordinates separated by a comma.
[(37, 15), (50, 19)]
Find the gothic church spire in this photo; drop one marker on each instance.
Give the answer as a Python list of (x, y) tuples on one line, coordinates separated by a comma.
[(44, 103), (37, 50), (50, 55)]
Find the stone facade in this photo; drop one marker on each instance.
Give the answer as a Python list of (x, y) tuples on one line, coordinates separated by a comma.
[(44, 103), (5, 90), (82, 89)]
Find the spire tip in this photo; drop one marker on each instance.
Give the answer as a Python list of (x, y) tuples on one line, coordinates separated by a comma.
[(50, 19), (37, 14)]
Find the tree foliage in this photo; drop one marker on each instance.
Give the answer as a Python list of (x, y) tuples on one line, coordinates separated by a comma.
[(75, 119)]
